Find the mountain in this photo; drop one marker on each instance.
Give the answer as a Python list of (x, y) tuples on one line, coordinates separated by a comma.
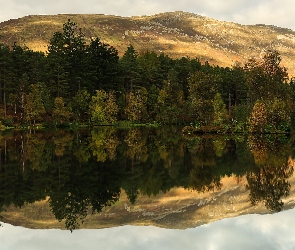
[(176, 34)]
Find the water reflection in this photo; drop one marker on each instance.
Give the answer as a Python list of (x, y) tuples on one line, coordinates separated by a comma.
[(267, 181), (272, 231), (84, 172)]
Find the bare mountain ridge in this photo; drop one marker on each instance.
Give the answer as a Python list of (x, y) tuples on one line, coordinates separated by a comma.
[(176, 34)]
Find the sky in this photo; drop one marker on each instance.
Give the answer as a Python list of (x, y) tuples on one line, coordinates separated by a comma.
[(271, 232), (272, 12)]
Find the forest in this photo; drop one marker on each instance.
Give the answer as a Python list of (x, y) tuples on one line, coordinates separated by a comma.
[(78, 82)]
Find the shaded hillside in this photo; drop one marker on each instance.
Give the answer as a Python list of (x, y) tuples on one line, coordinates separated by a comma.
[(176, 34)]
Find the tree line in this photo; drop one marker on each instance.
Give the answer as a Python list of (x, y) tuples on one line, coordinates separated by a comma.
[(87, 82)]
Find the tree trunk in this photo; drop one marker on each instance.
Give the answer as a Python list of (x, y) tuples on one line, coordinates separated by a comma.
[(229, 103)]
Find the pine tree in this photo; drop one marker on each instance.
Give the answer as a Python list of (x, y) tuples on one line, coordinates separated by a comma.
[(130, 69), (67, 58), (102, 65)]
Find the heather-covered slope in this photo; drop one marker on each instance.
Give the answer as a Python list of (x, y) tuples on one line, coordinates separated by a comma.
[(176, 34)]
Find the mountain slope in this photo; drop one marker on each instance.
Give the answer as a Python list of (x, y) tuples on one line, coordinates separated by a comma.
[(176, 34)]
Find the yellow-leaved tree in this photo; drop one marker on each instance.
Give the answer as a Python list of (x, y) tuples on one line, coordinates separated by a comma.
[(103, 107)]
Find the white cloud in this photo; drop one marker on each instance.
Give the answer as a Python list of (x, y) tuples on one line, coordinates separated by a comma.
[(272, 231), (275, 12)]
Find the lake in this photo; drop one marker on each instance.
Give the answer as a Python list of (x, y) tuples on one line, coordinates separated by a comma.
[(143, 188)]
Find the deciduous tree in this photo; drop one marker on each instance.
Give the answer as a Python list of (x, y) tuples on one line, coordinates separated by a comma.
[(61, 113), (34, 106)]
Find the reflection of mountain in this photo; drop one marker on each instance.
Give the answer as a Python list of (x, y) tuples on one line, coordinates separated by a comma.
[(178, 208), (111, 173)]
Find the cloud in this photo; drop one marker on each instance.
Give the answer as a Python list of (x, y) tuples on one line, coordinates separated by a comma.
[(275, 12), (272, 231)]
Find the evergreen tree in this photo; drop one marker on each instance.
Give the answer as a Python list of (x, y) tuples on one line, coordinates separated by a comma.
[(6, 76), (67, 57), (202, 89), (130, 69), (59, 78), (103, 66), (183, 68), (149, 65)]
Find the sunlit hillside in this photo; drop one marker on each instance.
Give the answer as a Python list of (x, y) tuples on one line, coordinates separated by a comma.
[(176, 34)]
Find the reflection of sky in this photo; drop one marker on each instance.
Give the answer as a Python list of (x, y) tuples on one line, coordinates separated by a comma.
[(273, 231)]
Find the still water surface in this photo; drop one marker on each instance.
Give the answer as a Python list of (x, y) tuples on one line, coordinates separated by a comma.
[(64, 177)]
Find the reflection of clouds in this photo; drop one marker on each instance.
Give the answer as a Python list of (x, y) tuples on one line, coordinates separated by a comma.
[(272, 231)]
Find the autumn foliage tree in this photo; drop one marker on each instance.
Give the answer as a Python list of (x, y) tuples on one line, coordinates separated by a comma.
[(34, 107), (258, 118), (220, 113), (171, 100), (103, 107), (266, 78), (136, 105), (61, 113), (270, 93)]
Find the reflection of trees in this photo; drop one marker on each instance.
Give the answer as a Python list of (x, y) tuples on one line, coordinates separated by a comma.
[(268, 149), (65, 167), (62, 140), (18, 187), (136, 142), (131, 182), (34, 148), (268, 180), (172, 151), (104, 143), (269, 184), (69, 207), (82, 149), (3, 147), (219, 146), (202, 176), (203, 179), (83, 188), (136, 155)]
